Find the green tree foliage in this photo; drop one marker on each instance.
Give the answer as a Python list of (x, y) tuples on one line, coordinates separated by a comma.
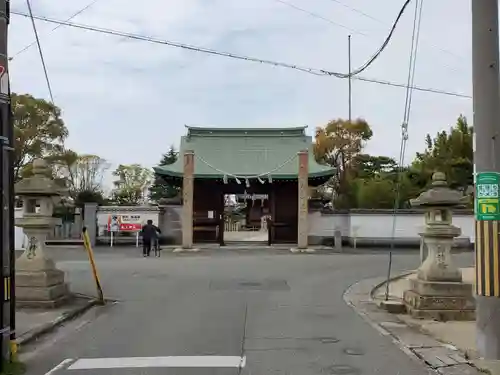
[(160, 188), (369, 181), (39, 131), (338, 144), (86, 196), (369, 166), (131, 184), (449, 152), (376, 192)]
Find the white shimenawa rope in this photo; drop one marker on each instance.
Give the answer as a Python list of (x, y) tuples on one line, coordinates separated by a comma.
[(245, 177)]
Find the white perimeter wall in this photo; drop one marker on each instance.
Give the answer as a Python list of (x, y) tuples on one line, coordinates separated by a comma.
[(379, 225)]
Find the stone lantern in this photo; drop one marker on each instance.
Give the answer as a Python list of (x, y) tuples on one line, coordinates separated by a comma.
[(437, 291), (38, 282)]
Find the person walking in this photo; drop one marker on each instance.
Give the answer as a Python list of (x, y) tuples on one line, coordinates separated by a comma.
[(149, 234)]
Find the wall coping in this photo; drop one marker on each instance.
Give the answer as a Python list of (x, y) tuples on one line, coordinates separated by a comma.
[(326, 212), (127, 208)]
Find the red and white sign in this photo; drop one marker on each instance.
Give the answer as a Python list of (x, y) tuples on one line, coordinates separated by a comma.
[(130, 227), (124, 223)]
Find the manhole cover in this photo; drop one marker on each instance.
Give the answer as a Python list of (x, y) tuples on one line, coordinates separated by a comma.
[(250, 283), (353, 351), (328, 340), (254, 285), (342, 370)]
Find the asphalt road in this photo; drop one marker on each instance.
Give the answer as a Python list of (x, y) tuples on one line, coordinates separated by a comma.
[(261, 313)]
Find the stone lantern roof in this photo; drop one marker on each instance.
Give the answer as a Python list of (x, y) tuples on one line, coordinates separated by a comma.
[(439, 194), (38, 185)]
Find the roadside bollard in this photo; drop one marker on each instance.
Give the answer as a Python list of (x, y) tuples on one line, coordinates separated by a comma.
[(338, 240)]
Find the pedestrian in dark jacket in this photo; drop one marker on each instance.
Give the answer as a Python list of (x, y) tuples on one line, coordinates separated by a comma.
[(149, 234)]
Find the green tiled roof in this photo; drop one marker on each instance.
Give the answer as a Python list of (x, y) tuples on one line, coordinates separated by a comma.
[(246, 152)]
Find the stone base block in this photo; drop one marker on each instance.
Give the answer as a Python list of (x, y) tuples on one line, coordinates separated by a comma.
[(436, 302), (441, 308), (40, 279), (393, 307), (437, 288), (43, 295), (442, 315)]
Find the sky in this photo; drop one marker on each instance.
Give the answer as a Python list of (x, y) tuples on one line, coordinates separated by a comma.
[(128, 101)]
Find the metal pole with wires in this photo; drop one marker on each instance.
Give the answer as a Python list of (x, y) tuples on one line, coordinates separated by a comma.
[(5, 181), (404, 131), (350, 77), (485, 76)]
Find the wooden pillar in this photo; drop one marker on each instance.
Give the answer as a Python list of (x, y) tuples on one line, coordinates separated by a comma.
[(303, 186), (187, 200)]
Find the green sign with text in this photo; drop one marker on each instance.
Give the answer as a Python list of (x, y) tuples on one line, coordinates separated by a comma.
[(487, 196)]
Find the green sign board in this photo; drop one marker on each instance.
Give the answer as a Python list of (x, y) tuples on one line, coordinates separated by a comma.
[(487, 196)]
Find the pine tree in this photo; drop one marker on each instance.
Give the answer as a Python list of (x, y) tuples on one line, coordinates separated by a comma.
[(160, 188)]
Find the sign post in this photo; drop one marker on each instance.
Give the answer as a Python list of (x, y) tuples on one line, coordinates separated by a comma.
[(487, 205)]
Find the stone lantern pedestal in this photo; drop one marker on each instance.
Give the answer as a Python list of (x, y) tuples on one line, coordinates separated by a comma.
[(438, 291), (38, 282)]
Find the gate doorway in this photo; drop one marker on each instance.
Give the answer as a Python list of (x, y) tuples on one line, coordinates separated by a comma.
[(246, 218)]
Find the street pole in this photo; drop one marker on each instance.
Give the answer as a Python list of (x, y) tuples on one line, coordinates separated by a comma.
[(12, 234), (6, 146), (486, 118), (350, 79)]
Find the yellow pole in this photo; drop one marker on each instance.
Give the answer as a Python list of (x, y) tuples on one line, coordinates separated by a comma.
[(88, 247)]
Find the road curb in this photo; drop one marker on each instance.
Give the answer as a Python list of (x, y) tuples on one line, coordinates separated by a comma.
[(394, 278), (416, 344), (46, 328)]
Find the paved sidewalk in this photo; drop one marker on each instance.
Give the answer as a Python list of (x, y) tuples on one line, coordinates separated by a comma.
[(460, 334), (443, 357), (33, 323)]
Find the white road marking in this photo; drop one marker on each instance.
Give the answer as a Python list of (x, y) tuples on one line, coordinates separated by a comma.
[(60, 366), (158, 362)]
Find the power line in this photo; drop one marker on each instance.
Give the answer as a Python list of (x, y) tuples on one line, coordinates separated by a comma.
[(360, 12), (314, 71), (315, 15), (54, 29), (416, 88), (417, 18), (322, 18), (37, 39), (375, 55), (384, 45)]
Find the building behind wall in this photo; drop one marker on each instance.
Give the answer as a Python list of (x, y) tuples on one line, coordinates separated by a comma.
[(260, 161)]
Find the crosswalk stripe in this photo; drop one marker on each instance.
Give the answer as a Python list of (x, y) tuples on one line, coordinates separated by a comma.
[(159, 362)]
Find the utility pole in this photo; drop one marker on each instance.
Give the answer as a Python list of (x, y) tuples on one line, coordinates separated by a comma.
[(485, 74), (350, 79), (6, 189)]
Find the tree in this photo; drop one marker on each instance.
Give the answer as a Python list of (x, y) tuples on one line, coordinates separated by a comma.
[(131, 183), (160, 188), (337, 144), (449, 152), (369, 166), (39, 131), (376, 193), (83, 174)]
